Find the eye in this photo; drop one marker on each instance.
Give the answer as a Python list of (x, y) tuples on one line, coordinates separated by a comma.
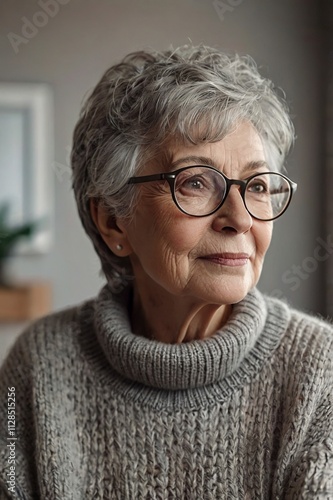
[(258, 186), (200, 182), (193, 183)]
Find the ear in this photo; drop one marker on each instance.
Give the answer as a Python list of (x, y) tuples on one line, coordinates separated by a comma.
[(111, 230)]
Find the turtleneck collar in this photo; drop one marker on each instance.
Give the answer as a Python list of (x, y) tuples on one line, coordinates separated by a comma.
[(178, 366)]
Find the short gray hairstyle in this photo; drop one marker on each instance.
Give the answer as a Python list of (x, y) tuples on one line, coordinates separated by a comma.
[(191, 95)]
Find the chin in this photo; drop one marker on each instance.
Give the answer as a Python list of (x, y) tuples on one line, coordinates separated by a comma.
[(228, 291), (234, 298), (225, 296)]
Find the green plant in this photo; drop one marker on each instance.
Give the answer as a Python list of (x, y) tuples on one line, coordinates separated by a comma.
[(9, 236)]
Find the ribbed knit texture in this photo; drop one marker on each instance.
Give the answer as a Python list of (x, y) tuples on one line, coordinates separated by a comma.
[(104, 414)]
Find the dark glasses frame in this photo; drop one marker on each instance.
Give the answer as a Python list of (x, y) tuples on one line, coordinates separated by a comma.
[(171, 177)]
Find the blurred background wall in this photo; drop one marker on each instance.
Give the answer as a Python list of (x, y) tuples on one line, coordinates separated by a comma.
[(79, 39)]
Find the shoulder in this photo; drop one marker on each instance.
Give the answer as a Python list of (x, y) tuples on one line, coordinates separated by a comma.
[(49, 336), (300, 323), (306, 343), (47, 355)]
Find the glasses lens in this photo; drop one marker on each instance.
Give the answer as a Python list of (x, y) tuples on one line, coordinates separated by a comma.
[(199, 190), (267, 196)]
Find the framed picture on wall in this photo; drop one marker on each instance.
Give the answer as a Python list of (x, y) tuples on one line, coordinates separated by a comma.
[(26, 154)]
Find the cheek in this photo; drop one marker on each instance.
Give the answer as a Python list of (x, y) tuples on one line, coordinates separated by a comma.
[(159, 226), (181, 235), (163, 243), (171, 231), (263, 236)]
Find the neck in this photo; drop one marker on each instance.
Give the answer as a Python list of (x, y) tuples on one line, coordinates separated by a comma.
[(174, 320)]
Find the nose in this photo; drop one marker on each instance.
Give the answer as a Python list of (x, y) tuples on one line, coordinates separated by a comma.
[(233, 214)]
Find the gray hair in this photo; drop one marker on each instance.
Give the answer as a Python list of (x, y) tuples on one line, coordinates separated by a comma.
[(191, 95)]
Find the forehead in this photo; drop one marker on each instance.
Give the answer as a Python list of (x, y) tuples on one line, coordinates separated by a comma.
[(241, 147)]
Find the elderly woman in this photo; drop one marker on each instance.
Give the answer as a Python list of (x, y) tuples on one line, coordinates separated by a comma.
[(180, 380)]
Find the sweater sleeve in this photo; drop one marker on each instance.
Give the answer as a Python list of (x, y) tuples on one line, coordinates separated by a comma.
[(310, 472), (18, 479)]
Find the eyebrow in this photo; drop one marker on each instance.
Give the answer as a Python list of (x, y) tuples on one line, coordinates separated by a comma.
[(204, 160)]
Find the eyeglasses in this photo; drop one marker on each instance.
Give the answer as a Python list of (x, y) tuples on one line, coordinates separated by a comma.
[(201, 190)]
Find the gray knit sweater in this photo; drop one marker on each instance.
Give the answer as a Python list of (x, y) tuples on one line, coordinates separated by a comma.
[(103, 414)]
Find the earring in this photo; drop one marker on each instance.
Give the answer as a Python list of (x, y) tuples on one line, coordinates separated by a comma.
[(119, 247)]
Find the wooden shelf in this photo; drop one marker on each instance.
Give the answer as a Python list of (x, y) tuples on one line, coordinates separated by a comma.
[(25, 301)]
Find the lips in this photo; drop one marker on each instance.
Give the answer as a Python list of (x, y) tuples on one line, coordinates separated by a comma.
[(228, 259)]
